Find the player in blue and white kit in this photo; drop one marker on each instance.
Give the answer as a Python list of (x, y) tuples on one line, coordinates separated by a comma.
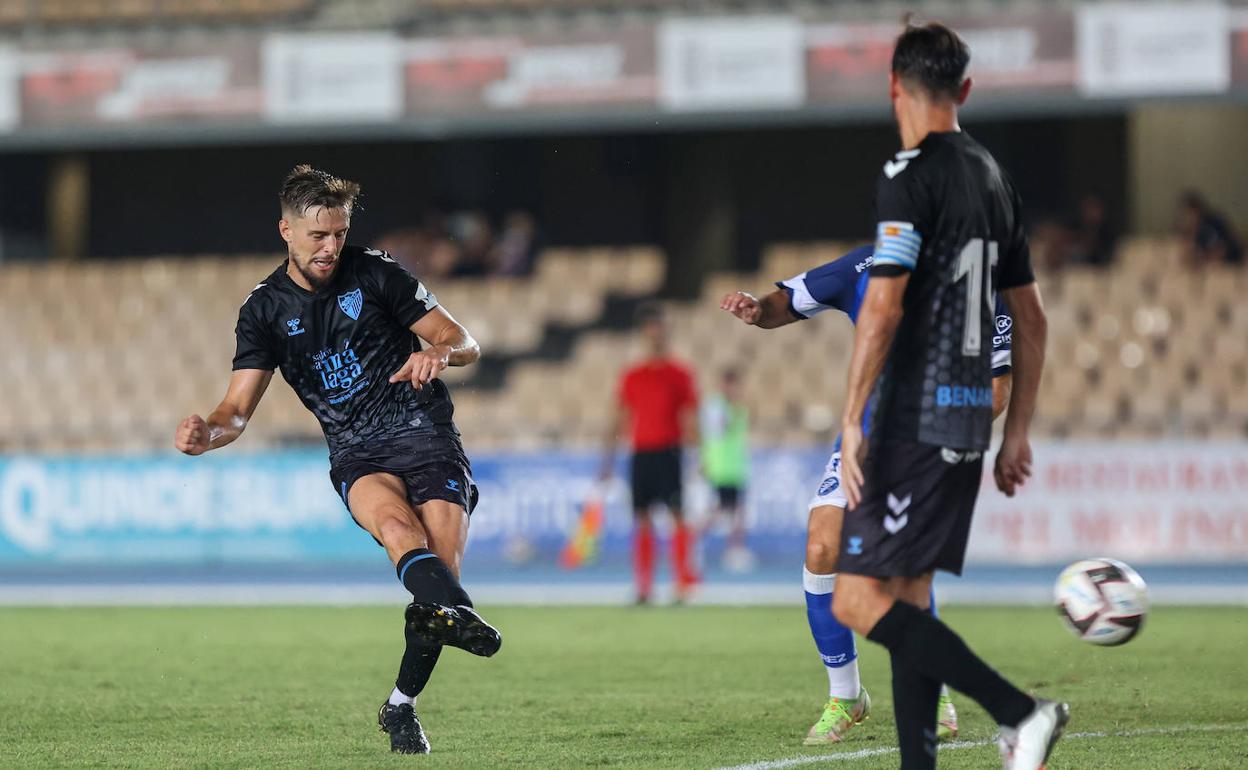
[(841, 285)]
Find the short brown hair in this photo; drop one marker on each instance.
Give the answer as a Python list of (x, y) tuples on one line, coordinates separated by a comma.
[(305, 187)]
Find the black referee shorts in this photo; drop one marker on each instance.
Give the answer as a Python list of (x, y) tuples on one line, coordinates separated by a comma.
[(431, 467), (656, 478), (915, 514)]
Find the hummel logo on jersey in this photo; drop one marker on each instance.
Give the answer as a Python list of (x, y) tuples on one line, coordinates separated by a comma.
[(294, 327), (452, 485), (351, 303), (894, 167), (855, 546), (899, 518)]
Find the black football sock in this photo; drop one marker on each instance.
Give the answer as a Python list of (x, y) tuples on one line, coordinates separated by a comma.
[(428, 579), (930, 647), (417, 665), (914, 704)]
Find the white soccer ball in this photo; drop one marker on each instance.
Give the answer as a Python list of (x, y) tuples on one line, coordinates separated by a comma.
[(1101, 601)]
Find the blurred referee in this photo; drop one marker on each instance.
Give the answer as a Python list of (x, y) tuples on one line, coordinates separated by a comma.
[(657, 402)]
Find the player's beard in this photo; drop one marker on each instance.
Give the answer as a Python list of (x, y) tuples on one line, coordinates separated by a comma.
[(315, 278)]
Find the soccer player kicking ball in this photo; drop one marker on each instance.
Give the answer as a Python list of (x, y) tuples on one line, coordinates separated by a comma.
[(344, 325), (950, 233), (841, 285)]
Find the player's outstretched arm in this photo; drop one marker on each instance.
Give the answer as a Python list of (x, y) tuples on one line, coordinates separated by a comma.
[(767, 313), (449, 342), (1013, 465), (195, 435), (873, 337)]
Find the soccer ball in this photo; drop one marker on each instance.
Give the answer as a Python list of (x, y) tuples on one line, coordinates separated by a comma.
[(1101, 601)]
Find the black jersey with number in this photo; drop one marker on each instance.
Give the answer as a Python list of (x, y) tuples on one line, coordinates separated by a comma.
[(949, 214), (337, 348)]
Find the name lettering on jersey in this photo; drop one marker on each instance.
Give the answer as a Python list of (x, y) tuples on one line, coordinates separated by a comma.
[(351, 303), (894, 167), (293, 325), (340, 372), (963, 397)]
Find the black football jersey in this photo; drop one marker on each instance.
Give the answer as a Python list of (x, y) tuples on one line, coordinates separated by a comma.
[(338, 347), (947, 213)]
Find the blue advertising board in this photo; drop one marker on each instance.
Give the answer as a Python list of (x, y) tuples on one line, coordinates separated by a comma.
[(279, 507)]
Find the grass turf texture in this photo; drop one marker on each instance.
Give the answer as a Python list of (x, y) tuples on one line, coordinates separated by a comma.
[(572, 687)]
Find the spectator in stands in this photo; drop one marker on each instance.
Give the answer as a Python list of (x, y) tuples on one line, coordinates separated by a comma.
[(1093, 237), (657, 404), (463, 245), (1207, 238), (517, 246), (474, 236)]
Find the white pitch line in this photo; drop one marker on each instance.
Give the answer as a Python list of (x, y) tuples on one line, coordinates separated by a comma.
[(849, 756)]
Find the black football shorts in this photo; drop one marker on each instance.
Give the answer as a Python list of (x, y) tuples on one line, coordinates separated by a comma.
[(915, 513), (656, 478), (728, 498), (432, 468)]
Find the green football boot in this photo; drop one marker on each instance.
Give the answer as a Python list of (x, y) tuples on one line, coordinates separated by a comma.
[(946, 719), (839, 715)]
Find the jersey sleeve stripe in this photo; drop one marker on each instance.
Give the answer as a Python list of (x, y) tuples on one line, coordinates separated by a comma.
[(896, 243), (1000, 362), (801, 302)]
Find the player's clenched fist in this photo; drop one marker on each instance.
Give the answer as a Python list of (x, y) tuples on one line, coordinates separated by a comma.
[(743, 305), (192, 436), (423, 367)]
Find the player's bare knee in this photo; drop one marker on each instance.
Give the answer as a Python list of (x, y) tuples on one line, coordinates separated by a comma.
[(397, 528), (821, 556)]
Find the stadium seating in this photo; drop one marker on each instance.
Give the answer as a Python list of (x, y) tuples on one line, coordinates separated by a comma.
[(1118, 366), (128, 348)]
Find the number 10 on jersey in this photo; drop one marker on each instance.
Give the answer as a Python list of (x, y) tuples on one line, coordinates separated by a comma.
[(978, 280)]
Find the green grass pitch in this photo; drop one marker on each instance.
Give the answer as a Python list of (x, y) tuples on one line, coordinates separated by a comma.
[(575, 687)]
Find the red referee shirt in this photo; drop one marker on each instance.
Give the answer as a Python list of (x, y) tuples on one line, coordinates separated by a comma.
[(655, 393)]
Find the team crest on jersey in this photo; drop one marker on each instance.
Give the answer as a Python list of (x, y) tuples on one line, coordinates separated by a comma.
[(351, 303)]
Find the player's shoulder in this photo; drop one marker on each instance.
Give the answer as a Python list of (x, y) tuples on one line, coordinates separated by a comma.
[(901, 162), (367, 258), (264, 294)]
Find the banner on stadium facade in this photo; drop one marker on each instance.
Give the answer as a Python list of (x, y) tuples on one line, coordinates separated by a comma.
[(10, 89), (1148, 503), (707, 64), (332, 77), (1153, 49), (156, 83), (737, 63), (463, 76)]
